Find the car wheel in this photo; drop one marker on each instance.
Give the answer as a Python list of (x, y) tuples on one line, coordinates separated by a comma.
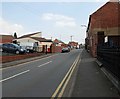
[(28, 51), (17, 52), (1, 50)]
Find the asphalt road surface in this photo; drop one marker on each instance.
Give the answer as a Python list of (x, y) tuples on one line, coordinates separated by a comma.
[(38, 78)]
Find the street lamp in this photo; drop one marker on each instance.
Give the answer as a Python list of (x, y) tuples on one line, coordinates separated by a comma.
[(83, 26)]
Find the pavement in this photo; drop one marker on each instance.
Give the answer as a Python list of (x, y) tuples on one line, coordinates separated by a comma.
[(9, 64), (90, 80)]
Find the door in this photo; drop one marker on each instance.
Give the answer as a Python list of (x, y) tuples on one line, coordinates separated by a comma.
[(100, 37)]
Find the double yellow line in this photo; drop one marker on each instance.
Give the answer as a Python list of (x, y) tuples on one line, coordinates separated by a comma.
[(61, 88)]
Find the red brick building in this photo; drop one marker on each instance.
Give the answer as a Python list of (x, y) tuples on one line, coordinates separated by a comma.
[(58, 42), (58, 45), (6, 38), (73, 44), (104, 27)]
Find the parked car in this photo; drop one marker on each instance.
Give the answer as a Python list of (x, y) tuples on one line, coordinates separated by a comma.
[(1, 47), (29, 46), (65, 49), (24, 48), (12, 48)]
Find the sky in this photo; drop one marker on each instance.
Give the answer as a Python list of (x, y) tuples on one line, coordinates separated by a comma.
[(59, 20)]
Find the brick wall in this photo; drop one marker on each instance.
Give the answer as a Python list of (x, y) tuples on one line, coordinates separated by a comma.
[(56, 49), (107, 16), (6, 38), (5, 59), (106, 19)]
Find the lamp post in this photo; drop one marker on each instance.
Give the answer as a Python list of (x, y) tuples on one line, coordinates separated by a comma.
[(86, 39), (83, 25)]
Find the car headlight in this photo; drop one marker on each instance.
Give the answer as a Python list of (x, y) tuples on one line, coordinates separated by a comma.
[(21, 49)]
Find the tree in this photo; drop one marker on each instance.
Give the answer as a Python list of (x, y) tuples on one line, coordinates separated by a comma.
[(15, 35)]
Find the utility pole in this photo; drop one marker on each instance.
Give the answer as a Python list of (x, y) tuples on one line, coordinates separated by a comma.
[(51, 38), (71, 38)]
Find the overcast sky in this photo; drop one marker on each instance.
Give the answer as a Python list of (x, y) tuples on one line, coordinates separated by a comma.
[(54, 19)]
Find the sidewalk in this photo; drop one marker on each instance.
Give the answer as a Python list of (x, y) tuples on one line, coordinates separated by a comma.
[(91, 81), (8, 64)]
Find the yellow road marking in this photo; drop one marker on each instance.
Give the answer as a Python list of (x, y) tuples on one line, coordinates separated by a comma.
[(60, 85), (63, 89), (55, 93)]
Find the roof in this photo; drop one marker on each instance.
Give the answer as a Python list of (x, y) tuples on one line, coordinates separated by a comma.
[(41, 39), (6, 36), (35, 38), (28, 35), (73, 42), (58, 41)]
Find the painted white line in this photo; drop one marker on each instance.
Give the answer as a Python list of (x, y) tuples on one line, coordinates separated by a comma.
[(28, 62), (45, 63), (15, 75)]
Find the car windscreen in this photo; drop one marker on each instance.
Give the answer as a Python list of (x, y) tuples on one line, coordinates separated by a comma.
[(16, 45)]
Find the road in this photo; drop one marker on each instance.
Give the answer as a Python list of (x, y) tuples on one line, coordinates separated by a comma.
[(38, 78)]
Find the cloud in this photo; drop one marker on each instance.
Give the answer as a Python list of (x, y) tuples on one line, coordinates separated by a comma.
[(59, 20), (8, 28), (64, 23)]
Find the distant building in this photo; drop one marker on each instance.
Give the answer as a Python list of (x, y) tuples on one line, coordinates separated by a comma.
[(58, 42), (6, 38), (73, 44), (104, 27)]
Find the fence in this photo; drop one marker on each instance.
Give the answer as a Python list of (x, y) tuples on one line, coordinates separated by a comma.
[(110, 57)]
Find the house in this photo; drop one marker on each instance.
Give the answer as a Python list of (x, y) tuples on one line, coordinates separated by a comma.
[(34, 40), (73, 44), (57, 46), (6, 38), (104, 27), (58, 42)]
